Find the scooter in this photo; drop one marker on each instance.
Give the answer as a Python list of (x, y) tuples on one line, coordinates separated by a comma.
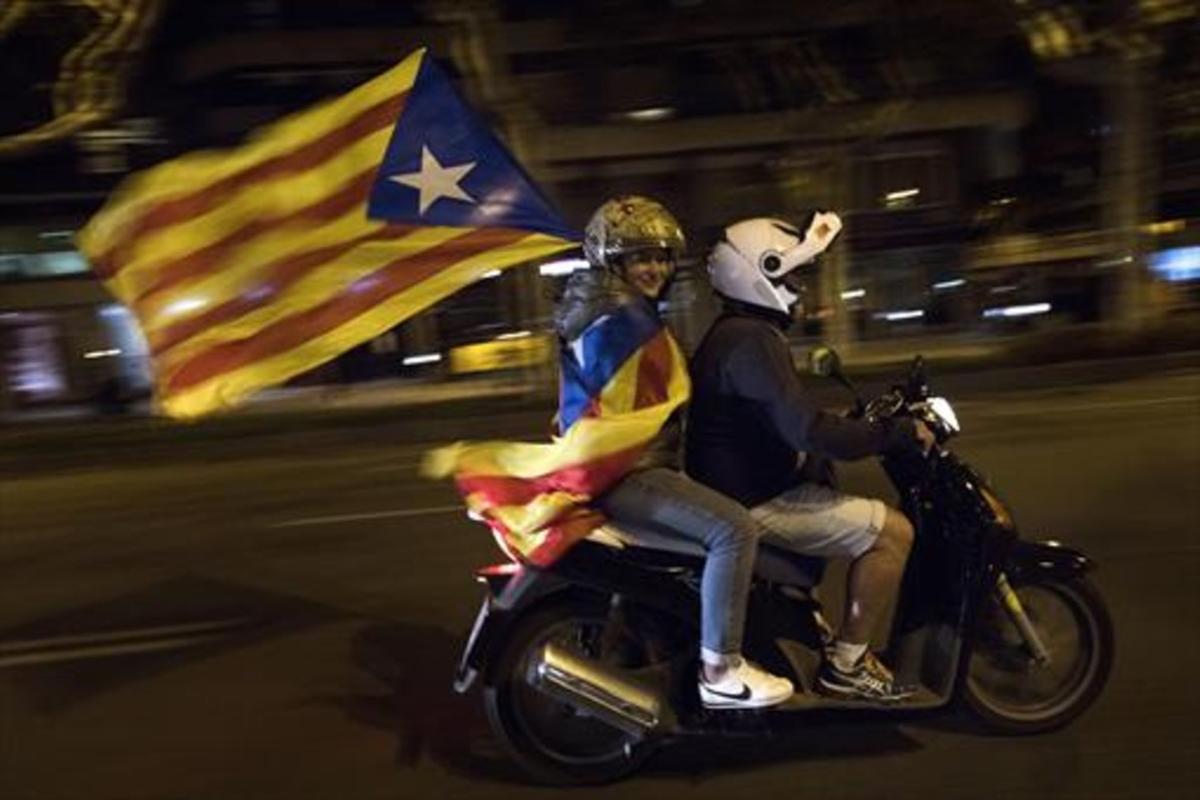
[(589, 666)]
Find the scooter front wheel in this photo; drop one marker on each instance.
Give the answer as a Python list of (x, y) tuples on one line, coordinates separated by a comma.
[(1007, 687)]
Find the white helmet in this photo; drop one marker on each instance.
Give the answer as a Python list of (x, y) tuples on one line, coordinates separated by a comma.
[(756, 256)]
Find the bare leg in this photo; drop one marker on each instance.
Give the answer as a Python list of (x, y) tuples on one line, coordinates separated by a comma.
[(874, 579)]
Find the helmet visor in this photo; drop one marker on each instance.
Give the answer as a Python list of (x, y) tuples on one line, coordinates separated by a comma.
[(795, 282)]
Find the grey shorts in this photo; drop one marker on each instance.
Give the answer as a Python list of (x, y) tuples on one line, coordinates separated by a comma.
[(819, 521)]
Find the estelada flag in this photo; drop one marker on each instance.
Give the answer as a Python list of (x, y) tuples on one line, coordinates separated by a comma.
[(621, 382), (323, 230)]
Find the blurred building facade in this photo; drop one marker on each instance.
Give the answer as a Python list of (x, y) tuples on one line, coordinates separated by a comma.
[(1000, 163)]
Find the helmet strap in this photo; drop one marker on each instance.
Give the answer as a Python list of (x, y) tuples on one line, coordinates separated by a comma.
[(793, 284)]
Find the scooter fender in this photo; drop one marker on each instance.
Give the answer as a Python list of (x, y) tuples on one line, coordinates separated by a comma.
[(1027, 561), (506, 596)]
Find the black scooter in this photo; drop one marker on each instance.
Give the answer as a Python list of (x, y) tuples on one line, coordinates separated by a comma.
[(589, 666)]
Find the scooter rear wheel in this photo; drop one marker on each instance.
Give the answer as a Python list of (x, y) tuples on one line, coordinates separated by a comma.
[(1005, 686), (548, 739)]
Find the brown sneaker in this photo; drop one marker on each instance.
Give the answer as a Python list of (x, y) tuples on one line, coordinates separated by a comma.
[(866, 680)]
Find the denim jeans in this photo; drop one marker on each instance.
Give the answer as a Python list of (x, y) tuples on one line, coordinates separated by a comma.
[(672, 504)]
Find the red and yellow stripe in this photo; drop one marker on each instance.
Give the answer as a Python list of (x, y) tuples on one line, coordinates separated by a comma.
[(535, 495), (247, 267)]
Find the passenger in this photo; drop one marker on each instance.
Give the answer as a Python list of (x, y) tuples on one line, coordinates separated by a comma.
[(632, 244)]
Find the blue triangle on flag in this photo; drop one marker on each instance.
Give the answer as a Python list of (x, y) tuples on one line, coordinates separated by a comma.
[(444, 166)]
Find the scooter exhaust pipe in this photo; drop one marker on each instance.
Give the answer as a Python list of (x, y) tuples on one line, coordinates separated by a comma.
[(597, 689)]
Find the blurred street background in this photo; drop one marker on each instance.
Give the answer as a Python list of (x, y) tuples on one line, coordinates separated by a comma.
[(1008, 169), (269, 604)]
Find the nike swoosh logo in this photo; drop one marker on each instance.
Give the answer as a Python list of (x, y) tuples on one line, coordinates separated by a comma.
[(744, 694)]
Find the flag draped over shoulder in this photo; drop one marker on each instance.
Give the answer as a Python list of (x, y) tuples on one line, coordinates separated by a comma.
[(534, 496), (249, 266)]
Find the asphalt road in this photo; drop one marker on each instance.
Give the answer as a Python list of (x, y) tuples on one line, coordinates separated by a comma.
[(278, 617)]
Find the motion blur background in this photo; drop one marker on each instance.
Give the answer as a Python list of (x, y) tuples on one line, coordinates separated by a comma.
[(271, 603), (1008, 169)]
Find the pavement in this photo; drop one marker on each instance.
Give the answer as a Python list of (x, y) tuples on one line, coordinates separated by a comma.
[(257, 611)]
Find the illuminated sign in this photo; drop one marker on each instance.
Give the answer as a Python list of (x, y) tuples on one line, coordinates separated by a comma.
[(1177, 264), (502, 353)]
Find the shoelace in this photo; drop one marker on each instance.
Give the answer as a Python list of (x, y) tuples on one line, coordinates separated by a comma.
[(874, 683), (876, 668)]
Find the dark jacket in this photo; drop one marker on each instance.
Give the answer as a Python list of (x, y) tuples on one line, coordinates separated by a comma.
[(750, 417), (592, 294)]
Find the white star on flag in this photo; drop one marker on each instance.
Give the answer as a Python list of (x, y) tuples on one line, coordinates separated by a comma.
[(435, 181)]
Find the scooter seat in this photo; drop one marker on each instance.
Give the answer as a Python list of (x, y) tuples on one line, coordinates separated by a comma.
[(774, 563), (625, 536)]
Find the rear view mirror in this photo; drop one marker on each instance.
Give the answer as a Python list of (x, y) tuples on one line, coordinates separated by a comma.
[(825, 362), (918, 380)]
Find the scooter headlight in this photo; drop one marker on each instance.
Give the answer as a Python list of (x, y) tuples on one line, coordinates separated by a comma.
[(940, 408)]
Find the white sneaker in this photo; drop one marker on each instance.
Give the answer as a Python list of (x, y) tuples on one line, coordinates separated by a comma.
[(745, 686)]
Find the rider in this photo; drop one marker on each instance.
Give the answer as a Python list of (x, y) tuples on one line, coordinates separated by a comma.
[(757, 436), (632, 244)]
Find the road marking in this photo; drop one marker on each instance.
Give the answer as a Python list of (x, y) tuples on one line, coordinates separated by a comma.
[(399, 512), (116, 636), (105, 644), (106, 651), (1158, 401), (1001, 408), (395, 466), (1149, 552)]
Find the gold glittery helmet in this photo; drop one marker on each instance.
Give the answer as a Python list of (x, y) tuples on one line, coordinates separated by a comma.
[(627, 224)]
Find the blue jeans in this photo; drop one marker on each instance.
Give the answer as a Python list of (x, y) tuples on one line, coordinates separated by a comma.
[(672, 504)]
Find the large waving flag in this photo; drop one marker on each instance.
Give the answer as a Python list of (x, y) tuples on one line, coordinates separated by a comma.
[(325, 229), (621, 383)]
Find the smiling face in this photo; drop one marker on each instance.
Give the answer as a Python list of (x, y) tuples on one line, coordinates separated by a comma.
[(648, 270)]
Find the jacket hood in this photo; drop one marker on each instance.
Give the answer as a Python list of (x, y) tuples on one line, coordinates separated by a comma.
[(589, 295)]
